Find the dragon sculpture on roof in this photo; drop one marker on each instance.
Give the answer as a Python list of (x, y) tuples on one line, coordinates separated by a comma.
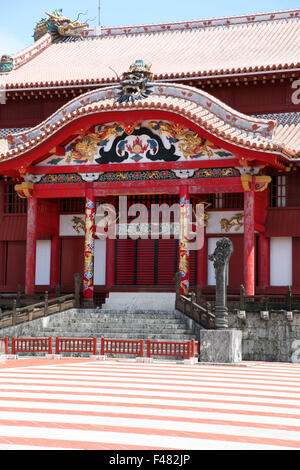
[(61, 29), (135, 83), (6, 64)]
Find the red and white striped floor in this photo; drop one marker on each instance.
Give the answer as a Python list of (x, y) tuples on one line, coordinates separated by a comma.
[(117, 405)]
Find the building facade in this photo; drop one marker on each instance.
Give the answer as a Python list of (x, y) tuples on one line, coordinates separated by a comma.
[(92, 137)]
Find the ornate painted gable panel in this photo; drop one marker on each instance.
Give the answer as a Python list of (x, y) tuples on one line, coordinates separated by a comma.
[(143, 141)]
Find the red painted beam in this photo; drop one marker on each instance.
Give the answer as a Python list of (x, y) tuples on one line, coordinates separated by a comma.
[(195, 186), (116, 167)]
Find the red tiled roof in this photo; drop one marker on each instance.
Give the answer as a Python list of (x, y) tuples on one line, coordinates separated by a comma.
[(287, 130), (249, 43)]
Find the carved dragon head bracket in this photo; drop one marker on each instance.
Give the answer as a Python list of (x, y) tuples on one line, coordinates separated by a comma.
[(135, 83)]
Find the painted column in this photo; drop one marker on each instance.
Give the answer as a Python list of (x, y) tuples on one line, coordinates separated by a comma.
[(31, 245), (184, 240), (89, 247), (249, 243)]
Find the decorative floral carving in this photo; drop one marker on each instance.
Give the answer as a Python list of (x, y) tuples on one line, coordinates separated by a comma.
[(141, 141), (190, 143)]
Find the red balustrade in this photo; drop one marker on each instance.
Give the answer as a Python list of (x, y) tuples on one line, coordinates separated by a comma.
[(3, 345), (31, 345), (122, 346), (187, 349), (76, 345)]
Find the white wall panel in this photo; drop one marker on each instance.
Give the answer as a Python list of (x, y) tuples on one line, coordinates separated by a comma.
[(235, 221), (100, 262), (71, 225), (281, 261), (43, 262)]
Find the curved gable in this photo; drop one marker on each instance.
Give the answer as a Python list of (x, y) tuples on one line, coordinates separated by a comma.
[(193, 109)]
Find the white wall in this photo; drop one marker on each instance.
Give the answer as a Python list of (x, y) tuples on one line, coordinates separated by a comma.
[(281, 261), (43, 262), (211, 245), (100, 262)]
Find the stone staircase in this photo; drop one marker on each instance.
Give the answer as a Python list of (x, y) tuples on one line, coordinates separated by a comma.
[(146, 324)]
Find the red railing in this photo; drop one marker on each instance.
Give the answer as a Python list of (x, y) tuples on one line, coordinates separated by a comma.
[(31, 345), (122, 346), (3, 345), (187, 349), (76, 345)]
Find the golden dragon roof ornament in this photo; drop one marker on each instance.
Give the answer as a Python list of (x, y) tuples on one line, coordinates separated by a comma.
[(61, 28)]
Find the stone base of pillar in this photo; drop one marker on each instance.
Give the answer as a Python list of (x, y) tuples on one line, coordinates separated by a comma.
[(221, 346), (221, 317)]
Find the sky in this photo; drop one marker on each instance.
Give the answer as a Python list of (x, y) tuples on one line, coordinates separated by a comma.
[(19, 17)]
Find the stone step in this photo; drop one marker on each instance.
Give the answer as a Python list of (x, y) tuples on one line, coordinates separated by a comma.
[(102, 311), (110, 328), (146, 325), (118, 318), (107, 322), (117, 335), (159, 336)]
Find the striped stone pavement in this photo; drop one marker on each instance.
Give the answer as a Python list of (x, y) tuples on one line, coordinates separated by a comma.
[(125, 405)]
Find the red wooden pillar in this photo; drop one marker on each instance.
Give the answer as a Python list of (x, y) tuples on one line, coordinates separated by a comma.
[(184, 241), (54, 276), (31, 245), (55, 246), (110, 262), (2, 243), (89, 247), (264, 261), (202, 264), (249, 243), (262, 201)]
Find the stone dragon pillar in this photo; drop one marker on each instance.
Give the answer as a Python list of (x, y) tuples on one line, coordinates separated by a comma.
[(220, 258)]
